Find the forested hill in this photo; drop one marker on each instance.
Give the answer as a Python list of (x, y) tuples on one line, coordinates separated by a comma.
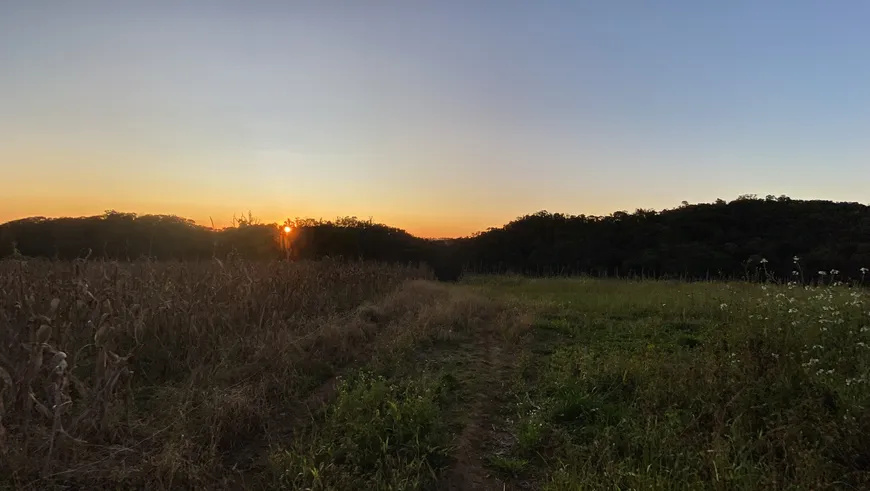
[(721, 239), (124, 236)]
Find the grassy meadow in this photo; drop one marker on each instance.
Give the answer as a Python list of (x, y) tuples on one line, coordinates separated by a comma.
[(323, 375)]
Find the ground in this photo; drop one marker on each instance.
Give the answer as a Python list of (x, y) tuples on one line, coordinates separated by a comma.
[(384, 379)]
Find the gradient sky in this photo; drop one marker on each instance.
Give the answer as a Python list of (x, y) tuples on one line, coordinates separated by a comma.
[(440, 117)]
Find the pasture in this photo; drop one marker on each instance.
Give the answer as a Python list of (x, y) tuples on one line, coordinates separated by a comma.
[(324, 375)]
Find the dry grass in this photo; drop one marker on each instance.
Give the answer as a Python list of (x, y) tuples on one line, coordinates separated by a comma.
[(211, 375), (167, 375)]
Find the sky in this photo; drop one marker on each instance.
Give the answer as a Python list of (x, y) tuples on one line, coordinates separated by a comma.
[(440, 117)]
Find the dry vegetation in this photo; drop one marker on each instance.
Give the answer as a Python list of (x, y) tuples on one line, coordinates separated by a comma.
[(194, 375), (329, 376)]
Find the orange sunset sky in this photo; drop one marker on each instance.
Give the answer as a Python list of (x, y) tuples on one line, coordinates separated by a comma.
[(442, 118)]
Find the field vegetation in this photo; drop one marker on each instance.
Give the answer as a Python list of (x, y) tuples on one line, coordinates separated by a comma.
[(669, 385), (239, 374), (217, 374)]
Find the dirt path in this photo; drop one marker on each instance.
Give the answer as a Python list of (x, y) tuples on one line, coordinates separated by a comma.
[(486, 364), (487, 373), (483, 363)]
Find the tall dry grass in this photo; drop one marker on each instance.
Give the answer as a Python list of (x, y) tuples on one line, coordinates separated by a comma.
[(172, 375)]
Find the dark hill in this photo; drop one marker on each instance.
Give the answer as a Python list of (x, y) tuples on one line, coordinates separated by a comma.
[(721, 239)]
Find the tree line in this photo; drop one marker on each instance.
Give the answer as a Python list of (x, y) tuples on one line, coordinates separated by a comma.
[(749, 237)]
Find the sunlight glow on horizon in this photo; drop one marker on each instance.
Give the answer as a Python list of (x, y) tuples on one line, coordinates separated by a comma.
[(206, 111), (458, 227)]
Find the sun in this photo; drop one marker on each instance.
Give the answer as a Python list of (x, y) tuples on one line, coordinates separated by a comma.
[(287, 229)]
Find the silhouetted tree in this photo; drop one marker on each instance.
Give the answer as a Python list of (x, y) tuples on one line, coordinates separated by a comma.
[(710, 240)]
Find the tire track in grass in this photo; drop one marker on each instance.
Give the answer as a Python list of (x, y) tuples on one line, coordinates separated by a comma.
[(476, 353), (487, 372)]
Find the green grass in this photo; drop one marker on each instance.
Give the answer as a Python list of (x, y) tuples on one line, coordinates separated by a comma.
[(661, 385), (509, 465), (375, 435)]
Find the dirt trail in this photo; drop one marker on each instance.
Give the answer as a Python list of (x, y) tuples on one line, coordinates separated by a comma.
[(485, 363), (488, 371)]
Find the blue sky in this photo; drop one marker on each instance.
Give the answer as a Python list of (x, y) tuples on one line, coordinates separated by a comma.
[(439, 117)]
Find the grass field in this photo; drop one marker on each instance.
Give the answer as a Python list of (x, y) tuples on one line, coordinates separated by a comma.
[(332, 376)]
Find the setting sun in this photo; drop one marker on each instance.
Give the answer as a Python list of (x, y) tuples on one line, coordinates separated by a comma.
[(287, 229)]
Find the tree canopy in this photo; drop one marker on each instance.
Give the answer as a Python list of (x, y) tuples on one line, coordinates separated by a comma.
[(746, 237), (742, 238)]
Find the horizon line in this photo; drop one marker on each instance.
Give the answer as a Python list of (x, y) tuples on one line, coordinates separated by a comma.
[(210, 224)]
